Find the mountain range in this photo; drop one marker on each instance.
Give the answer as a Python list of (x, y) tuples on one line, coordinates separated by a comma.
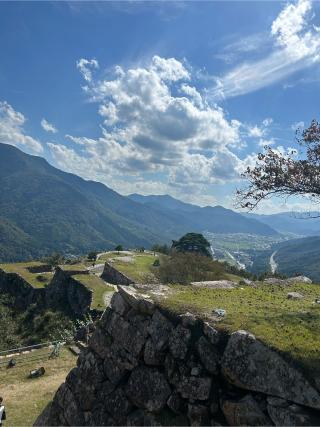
[(43, 209), (297, 223)]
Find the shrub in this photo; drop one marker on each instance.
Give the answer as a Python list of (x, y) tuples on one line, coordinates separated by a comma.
[(183, 268)]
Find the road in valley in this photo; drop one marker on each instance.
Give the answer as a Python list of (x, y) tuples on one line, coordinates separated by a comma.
[(273, 264)]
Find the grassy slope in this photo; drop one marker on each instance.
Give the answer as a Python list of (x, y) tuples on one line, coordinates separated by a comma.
[(290, 326), (98, 286), (140, 269), (25, 398), (73, 267), (32, 278)]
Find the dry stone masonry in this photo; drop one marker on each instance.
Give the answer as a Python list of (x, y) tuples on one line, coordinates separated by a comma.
[(63, 292), (147, 367), (114, 276)]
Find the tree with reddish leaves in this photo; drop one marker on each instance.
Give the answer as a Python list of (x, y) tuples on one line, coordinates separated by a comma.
[(296, 173)]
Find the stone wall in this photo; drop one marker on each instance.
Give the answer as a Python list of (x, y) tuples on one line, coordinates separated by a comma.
[(145, 366), (24, 294), (112, 275), (65, 292)]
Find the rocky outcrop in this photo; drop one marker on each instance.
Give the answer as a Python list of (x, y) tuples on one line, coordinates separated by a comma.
[(24, 294), (145, 366), (65, 292), (114, 276)]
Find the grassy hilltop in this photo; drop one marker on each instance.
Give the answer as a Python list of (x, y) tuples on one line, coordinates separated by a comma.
[(290, 326)]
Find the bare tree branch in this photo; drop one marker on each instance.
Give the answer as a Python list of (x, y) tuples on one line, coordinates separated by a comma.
[(276, 174)]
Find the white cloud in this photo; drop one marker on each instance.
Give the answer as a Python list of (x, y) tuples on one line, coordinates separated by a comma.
[(155, 122), (267, 122), (12, 132), (241, 45), (86, 66), (256, 132), (260, 131), (297, 45), (48, 127)]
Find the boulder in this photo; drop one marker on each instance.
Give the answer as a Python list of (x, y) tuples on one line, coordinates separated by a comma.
[(100, 417), (294, 295), (148, 389), (249, 364), (65, 399), (151, 355), (128, 335), (215, 284), (118, 304), (49, 416), (160, 330), (142, 418), (211, 333), (208, 355), (119, 363), (198, 415), (118, 405), (196, 388), (177, 404), (100, 342), (299, 279), (84, 391), (284, 413), (179, 342), (90, 367), (188, 319), (142, 303), (244, 412)]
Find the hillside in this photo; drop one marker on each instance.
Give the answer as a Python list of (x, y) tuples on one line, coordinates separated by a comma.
[(214, 219), (43, 209), (290, 222), (299, 256)]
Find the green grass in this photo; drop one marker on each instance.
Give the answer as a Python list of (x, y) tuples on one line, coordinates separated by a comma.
[(73, 267), (25, 398), (139, 270), (114, 254), (37, 280), (98, 286), (290, 326)]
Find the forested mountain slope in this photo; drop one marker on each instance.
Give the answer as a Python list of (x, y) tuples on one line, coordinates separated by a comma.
[(43, 209)]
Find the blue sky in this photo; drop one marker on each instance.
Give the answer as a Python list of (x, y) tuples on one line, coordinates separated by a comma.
[(159, 97)]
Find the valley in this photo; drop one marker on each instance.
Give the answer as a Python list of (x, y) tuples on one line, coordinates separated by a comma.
[(241, 249)]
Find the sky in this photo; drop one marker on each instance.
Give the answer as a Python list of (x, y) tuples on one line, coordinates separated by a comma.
[(159, 97)]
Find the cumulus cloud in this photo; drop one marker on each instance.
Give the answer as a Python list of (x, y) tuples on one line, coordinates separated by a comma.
[(12, 132), (48, 127), (85, 66), (296, 46), (155, 121)]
